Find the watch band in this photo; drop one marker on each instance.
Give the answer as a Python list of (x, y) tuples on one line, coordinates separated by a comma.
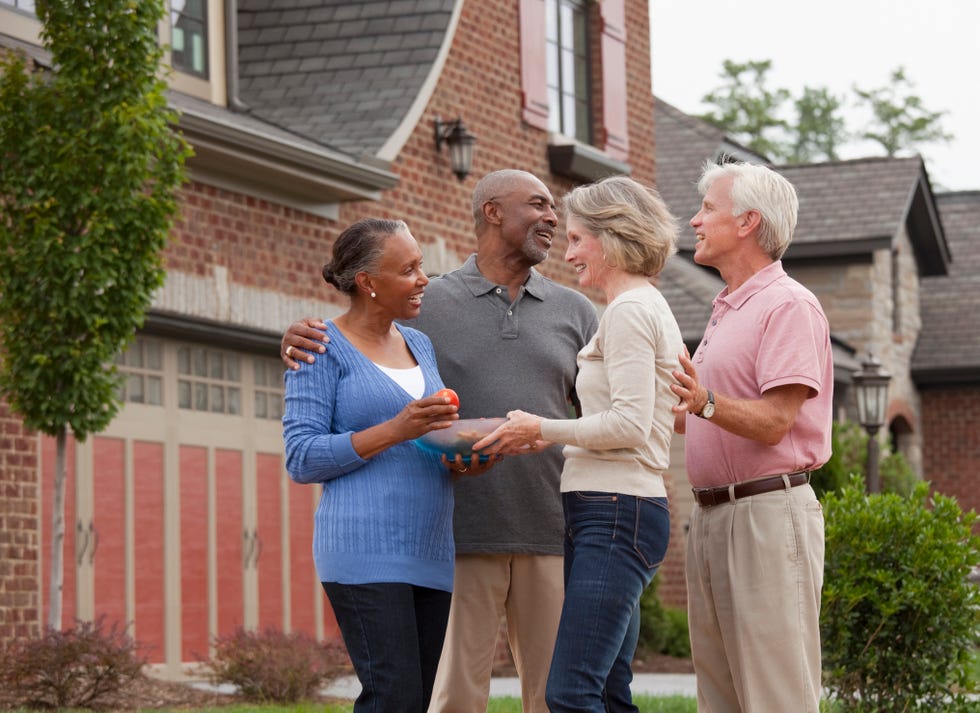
[(708, 410)]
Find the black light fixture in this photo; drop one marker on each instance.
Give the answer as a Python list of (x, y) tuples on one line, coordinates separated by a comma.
[(460, 142), (871, 390)]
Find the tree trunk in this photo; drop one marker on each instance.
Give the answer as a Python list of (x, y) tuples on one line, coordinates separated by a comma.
[(57, 572)]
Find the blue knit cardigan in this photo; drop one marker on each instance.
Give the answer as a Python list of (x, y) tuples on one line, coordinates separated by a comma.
[(386, 519)]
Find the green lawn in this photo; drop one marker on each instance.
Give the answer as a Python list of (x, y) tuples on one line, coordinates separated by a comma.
[(646, 704)]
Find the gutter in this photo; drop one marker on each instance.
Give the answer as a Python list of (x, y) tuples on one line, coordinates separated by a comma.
[(231, 58)]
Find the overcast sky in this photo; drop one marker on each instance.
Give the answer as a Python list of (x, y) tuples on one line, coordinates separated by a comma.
[(835, 44)]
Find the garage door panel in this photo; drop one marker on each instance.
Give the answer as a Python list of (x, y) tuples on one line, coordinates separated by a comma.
[(107, 551), (234, 542), (194, 553), (268, 491), (149, 551)]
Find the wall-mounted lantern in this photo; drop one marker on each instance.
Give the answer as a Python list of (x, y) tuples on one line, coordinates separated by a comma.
[(460, 143)]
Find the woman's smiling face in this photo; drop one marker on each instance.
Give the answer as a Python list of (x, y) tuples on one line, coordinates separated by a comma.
[(585, 254)]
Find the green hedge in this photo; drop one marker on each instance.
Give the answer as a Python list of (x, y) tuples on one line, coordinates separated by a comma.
[(900, 621)]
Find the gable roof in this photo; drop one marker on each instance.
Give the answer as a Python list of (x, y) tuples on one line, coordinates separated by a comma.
[(846, 207), (344, 74), (856, 206), (948, 348), (689, 290), (682, 144)]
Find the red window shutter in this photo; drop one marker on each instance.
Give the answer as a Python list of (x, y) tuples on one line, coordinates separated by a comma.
[(534, 78), (615, 133)]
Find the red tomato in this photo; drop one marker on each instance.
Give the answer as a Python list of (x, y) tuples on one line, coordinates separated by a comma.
[(450, 394)]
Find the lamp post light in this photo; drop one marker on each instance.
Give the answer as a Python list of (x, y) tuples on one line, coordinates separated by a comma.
[(871, 389), (460, 141)]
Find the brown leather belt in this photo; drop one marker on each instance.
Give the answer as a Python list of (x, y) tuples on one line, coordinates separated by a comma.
[(709, 497)]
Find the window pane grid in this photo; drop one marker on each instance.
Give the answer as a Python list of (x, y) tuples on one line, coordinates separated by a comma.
[(141, 366), (568, 69), (189, 32), (268, 389), (204, 379)]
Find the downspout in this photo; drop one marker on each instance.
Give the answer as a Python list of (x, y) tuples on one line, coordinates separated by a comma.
[(231, 57)]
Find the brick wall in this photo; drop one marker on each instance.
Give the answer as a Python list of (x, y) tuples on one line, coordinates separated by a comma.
[(952, 442), (279, 251), (19, 530)]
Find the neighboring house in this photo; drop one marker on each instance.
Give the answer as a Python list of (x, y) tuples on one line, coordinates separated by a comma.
[(896, 269), (946, 360), (304, 116)]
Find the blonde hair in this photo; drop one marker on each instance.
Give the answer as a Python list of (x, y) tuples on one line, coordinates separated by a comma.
[(637, 231)]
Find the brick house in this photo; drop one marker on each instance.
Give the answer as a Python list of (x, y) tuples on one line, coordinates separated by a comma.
[(946, 360), (895, 267), (304, 117)]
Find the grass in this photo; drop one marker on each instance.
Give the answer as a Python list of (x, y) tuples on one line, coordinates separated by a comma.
[(504, 704), (508, 704)]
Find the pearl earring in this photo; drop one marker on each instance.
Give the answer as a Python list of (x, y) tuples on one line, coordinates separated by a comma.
[(373, 295)]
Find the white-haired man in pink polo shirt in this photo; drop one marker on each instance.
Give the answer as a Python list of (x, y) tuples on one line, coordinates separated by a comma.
[(755, 402)]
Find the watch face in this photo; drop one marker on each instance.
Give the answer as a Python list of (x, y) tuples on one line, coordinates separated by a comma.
[(709, 410)]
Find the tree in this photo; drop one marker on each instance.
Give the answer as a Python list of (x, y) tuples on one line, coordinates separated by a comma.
[(900, 120), (90, 169), (747, 108), (819, 130)]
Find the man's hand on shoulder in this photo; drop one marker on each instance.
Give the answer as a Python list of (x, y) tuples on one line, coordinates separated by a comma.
[(301, 340)]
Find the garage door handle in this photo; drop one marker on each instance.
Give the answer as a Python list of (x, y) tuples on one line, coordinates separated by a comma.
[(94, 536), (81, 543)]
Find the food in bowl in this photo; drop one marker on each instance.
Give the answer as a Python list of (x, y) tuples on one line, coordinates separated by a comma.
[(458, 438)]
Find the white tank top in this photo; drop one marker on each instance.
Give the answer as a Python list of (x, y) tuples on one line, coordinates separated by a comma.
[(411, 380)]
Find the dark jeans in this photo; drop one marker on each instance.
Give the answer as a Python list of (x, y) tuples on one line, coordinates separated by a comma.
[(394, 634), (613, 546)]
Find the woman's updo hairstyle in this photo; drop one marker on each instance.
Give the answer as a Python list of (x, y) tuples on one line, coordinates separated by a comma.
[(359, 249)]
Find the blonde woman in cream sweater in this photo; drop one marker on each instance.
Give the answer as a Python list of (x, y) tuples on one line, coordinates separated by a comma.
[(617, 524)]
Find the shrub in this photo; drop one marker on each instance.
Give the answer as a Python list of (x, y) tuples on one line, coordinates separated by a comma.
[(274, 667), (896, 474), (82, 667), (663, 630), (900, 619), (849, 454)]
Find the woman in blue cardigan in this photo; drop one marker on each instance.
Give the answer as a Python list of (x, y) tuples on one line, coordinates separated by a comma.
[(383, 539)]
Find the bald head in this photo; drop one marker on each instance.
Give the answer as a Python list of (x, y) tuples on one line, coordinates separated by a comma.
[(496, 185)]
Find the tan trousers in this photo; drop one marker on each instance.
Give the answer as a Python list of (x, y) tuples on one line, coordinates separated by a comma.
[(528, 590), (754, 574)]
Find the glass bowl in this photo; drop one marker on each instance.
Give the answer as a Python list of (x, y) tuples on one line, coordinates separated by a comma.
[(458, 438)]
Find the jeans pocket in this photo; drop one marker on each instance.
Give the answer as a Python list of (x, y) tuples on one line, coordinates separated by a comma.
[(651, 533)]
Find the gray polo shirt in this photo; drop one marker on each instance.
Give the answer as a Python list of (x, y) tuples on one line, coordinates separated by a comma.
[(499, 356)]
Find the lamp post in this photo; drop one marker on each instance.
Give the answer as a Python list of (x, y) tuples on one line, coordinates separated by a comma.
[(871, 389)]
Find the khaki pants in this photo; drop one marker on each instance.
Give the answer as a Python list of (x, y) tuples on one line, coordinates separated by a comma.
[(754, 574), (528, 589)]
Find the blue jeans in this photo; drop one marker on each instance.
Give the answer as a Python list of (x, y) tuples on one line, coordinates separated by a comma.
[(393, 633), (613, 546)]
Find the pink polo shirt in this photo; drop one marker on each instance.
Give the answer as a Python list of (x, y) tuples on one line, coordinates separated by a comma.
[(769, 332)]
